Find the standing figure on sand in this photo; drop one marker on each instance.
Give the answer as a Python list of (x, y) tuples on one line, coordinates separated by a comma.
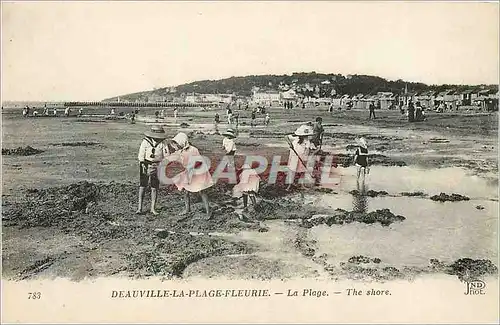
[(216, 123), (229, 145), (361, 158), (318, 132), (196, 177), (301, 148), (151, 153), (248, 186)]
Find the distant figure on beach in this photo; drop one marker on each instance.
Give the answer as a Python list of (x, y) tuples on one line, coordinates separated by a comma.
[(252, 116), (25, 111), (229, 113), (372, 110), (113, 111), (151, 153), (66, 111), (330, 108), (236, 118), (175, 113), (268, 119), (80, 111), (35, 112), (216, 122), (411, 112), (361, 158), (55, 111), (45, 110), (419, 112), (318, 131)]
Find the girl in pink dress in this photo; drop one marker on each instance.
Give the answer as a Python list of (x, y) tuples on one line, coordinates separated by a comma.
[(248, 185), (191, 181)]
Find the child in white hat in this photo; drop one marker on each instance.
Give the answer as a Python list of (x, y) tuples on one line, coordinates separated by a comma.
[(151, 153), (188, 181), (248, 185), (228, 142), (300, 150), (361, 157)]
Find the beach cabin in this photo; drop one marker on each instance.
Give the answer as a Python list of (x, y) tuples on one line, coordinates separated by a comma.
[(386, 99)]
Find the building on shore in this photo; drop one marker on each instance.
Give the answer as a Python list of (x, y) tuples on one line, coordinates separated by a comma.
[(267, 98)]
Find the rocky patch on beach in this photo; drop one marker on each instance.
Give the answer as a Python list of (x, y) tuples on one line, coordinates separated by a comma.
[(76, 144), (414, 194), (21, 151), (471, 269), (373, 269), (443, 197), (370, 193), (360, 259), (103, 214), (384, 216)]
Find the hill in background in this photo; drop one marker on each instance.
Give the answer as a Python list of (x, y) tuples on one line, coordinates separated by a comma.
[(304, 83)]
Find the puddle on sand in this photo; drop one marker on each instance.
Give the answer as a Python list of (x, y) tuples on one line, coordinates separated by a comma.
[(445, 231), (395, 180)]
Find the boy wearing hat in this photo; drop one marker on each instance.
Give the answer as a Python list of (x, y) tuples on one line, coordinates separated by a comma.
[(151, 153), (228, 142)]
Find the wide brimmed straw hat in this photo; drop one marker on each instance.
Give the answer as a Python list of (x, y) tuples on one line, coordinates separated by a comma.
[(229, 133), (304, 130), (181, 139), (362, 142), (156, 132)]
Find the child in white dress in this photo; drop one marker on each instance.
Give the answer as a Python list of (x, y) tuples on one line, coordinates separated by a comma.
[(189, 181), (248, 185)]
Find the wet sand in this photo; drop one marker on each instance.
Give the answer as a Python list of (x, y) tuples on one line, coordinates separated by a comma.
[(69, 211)]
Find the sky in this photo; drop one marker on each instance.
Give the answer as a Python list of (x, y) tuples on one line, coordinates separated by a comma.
[(96, 50)]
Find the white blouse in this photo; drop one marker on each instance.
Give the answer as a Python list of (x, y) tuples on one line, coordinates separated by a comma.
[(146, 150)]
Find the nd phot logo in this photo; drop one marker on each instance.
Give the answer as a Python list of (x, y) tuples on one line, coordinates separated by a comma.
[(475, 287)]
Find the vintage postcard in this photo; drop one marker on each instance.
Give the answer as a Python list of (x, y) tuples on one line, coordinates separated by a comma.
[(250, 162)]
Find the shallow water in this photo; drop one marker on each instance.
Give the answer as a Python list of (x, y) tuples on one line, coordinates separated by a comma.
[(445, 231), (430, 181)]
